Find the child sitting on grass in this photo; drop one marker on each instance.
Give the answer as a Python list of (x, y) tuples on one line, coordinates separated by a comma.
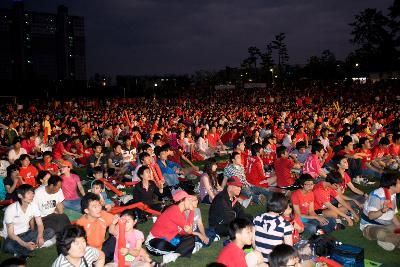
[(98, 189), (204, 237), (134, 254)]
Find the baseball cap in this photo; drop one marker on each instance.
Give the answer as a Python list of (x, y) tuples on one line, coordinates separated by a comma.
[(66, 163), (235, 181), (179, 195)]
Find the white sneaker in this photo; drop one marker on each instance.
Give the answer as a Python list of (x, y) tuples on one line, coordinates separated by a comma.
[(49, 243), (386, 245), (217, 238), (197, 247), (170, 257)]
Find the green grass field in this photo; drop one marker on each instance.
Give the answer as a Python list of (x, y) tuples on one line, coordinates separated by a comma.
[(351, 235)]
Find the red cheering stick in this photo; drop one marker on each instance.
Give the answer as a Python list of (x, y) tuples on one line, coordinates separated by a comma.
[(139, 205), (388, 198), (127, 119), (121, 241), (46, 135), (111, 187)]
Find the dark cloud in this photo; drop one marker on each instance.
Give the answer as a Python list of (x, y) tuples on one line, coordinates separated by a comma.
[(180, 36)]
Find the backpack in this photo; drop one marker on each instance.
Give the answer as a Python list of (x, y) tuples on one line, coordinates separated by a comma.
[(322, 244), (348, 255)]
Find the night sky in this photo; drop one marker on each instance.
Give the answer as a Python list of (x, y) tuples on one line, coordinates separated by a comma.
[(172, 36)]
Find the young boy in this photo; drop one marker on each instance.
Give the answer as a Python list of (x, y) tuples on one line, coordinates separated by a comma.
[(98, 189), (283, 167), (95, 220), (241, 232)]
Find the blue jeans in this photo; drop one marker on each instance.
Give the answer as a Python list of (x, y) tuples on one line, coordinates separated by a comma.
[(171, 179), (372, 174), (210, 233), (255, 192), (12, 246), (73, 204), (311, 226)]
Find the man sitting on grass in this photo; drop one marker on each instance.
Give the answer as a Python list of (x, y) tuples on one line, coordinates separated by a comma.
[(20, 238), (378, 220), (327, 199)]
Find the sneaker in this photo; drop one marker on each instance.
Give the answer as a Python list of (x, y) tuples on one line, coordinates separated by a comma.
[(386, 245), (197, 247), (246, 202), (358, 180), (217, 238), (170, 257), (339, 227), (49, 243)]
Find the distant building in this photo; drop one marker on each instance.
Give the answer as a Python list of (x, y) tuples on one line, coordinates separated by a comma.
[(38, 46)]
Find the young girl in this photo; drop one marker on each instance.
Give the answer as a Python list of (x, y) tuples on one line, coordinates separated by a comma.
[(209, 186), (134, 254), (203, 237), (294, 220)]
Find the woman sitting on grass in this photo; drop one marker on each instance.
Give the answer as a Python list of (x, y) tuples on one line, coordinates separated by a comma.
[(209, 185), (171, 235)]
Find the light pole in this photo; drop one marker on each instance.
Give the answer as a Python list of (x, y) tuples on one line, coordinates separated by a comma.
[(154, 90), (272, 74)]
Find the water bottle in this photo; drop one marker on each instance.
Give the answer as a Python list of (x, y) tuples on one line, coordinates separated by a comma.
[(313, 253)]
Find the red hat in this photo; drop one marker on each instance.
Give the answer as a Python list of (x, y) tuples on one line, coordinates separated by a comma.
[(66, 163), (179, 195), (235, 181)]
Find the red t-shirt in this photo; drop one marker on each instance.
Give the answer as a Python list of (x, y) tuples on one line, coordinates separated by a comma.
[(58, 151), (378, 152), (212, 139), (171, 223), (394, 150), (312, 165), (346, 180), (29, 146), (283, 173), (300, 137), (365, 159), (322, 195), (255, 171), (52, 167), (302, 200), (29, 174), (232, 256)]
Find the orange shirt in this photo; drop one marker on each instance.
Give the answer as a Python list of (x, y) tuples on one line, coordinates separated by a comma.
[(96, 231)]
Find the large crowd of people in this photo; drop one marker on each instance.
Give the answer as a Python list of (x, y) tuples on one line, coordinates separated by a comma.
[(306, 156)]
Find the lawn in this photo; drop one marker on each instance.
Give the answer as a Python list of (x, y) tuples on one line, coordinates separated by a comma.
[(351, 235)]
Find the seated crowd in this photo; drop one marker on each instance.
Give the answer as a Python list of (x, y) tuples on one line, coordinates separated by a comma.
[(303, 164)]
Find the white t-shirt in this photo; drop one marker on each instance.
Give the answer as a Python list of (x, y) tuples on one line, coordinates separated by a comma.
[(12, 155), (375, 202), (45, 202), (19, 219)]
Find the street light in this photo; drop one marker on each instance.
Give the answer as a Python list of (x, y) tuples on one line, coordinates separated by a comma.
[(272, 74), (357, 65)]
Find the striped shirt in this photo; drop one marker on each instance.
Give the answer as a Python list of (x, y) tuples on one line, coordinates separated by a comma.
[(91, 256), (270, 232)]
